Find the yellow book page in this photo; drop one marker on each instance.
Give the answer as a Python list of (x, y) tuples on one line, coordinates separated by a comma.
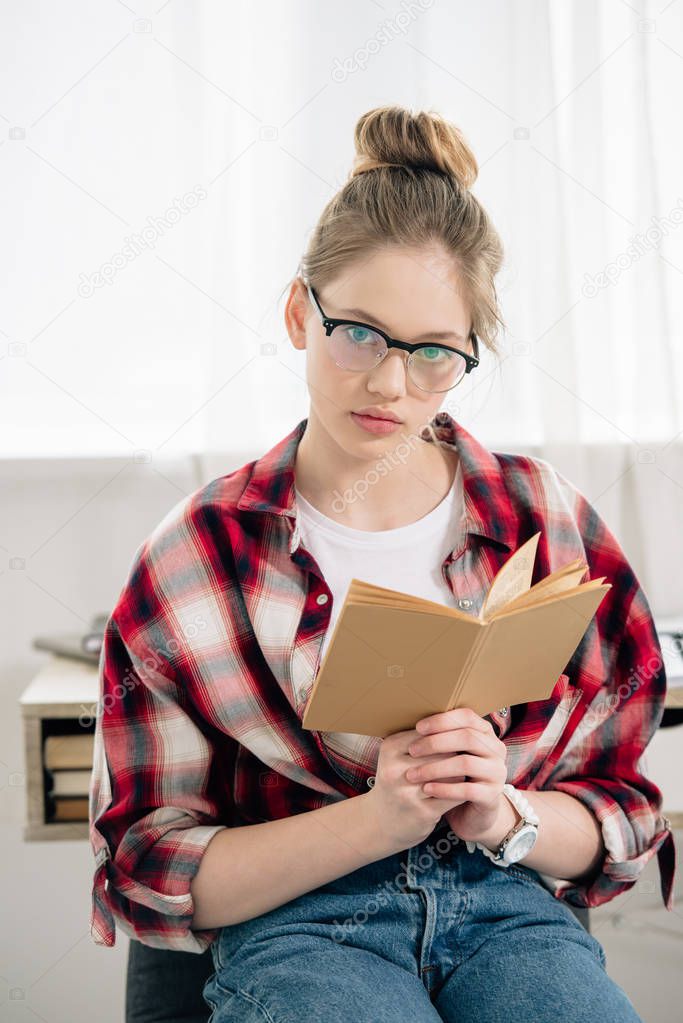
[(361, 592), (512, 579), (560, 582), (519, 606)]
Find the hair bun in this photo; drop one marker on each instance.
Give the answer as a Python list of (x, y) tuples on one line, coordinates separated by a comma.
[(395, 137)]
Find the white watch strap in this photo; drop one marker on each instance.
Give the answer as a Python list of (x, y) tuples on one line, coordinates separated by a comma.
[(523, 806), (521, 803)]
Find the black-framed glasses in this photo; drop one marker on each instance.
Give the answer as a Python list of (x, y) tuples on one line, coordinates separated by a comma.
[(359, 346)]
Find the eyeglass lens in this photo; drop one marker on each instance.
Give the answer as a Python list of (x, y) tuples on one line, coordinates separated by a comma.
[(359, 348)]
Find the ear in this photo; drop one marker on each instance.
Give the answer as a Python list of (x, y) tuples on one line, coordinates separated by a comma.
[(297, 311)]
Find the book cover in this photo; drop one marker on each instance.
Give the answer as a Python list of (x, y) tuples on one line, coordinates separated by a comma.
[(394, 658)]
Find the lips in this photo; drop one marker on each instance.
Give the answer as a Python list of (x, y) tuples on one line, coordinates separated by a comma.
[(374, 424), (382, 418)]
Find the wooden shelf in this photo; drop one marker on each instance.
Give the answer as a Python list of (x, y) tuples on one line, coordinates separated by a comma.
[(61, 700), (64, 830)]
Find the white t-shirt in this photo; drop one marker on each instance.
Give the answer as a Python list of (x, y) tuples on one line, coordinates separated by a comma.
[(408, 558)]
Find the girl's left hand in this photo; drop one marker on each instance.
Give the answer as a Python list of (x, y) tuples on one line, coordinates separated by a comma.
[(475, 774)]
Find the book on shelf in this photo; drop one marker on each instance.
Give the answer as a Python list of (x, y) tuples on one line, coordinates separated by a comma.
[(394, 658), (68, 783), (69, 751), (67, 808)]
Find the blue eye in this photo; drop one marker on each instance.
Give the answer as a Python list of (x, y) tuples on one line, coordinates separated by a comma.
[(432, 354), (360, 335)]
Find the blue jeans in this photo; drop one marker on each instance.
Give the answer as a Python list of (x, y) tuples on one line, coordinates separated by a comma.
[(432, 933)]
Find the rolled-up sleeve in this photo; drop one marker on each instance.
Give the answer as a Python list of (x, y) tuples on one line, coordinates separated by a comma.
[(601, 766), (152, 812)]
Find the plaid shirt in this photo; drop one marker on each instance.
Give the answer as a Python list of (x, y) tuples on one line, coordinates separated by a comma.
[(214, 643)]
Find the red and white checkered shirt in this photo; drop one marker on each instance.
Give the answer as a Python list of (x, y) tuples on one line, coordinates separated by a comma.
[(213, 646)]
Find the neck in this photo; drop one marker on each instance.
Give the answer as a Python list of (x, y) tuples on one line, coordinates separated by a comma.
[(405, 478)]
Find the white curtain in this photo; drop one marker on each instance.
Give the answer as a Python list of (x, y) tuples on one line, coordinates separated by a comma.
[(571, 111), (240, 118)]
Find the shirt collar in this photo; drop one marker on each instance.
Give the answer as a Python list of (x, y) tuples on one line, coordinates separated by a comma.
[(488, 508)]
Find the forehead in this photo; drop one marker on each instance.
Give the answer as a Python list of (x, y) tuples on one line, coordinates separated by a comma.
[(410, 294)]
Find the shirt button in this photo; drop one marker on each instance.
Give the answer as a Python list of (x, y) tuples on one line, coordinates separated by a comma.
[(321, 598), (464, 602), (371, 781), (503, 711)]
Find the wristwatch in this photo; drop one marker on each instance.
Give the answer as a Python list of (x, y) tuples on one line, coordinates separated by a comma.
[(521, 838)]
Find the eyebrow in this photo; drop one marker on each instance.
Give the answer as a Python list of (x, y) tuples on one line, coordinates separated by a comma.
[(443, 335)]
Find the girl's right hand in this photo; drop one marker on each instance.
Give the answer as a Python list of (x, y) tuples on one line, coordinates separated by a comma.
[(403, 812)]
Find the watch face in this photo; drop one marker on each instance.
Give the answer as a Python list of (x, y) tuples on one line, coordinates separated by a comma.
[(521, 844)]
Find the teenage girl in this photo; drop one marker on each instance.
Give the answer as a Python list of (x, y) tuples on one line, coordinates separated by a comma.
[(429, 875)]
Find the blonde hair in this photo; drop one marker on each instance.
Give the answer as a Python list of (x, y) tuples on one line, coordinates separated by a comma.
[(410, 186)]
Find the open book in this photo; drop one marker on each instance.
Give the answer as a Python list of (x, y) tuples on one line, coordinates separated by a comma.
[(394, 658)]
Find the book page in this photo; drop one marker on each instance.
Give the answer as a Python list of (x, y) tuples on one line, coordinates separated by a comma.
[(559, 582), (518, 607), (512, 579), (360, 592)]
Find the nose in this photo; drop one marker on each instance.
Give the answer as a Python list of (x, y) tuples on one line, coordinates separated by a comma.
[(390, 377)]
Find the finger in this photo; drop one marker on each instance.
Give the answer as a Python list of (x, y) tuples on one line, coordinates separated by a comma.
[(480, 793), (407, 734), (405, 738), (461, 717), (417, 773), (472, 767), (450, 780), (459, 740), (446, 804)]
